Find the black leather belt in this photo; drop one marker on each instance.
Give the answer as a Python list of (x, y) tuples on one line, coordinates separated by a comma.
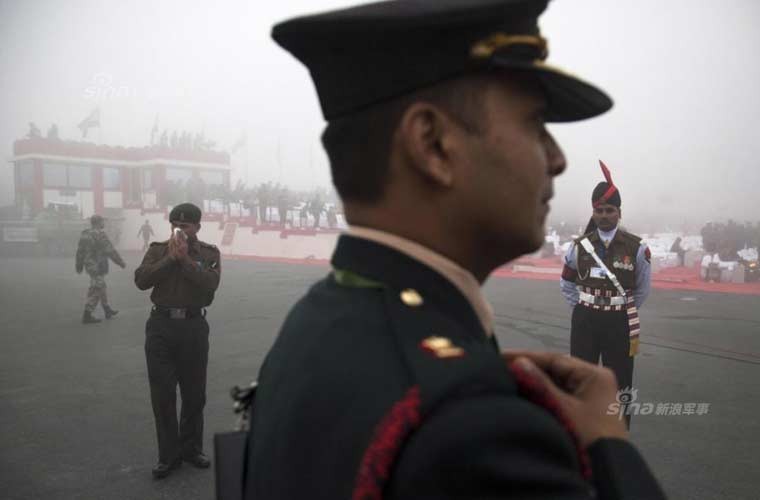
[(178, 312)]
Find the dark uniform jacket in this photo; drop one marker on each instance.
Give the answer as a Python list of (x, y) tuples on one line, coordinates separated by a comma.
[(619, 257), (180, 284), (93, 252), (383, 384)]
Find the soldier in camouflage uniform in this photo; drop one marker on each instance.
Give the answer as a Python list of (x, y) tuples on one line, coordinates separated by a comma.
[(92, 255)]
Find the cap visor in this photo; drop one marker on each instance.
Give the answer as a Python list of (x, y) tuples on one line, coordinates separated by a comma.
[(568, 98)]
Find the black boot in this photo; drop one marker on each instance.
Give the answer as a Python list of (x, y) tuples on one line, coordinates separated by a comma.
[(161, 470), (87, 318), (110, 313), (198, 460)]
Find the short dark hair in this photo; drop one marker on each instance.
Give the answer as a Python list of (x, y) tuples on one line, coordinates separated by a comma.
[(358, 145)]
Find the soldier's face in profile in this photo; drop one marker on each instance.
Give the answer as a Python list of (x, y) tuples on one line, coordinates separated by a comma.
[(606, 216), (511, 167)]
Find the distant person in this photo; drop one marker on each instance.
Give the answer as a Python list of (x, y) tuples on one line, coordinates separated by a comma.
[(678, 249), (303, 216), (93, 253), (146, 231), (263, 212), (264, 196), (34, 131), (52, 133), (282, 207), (731, 243), (386, 380), (710, 238), (332, 218), (316, 207), (606, 279), (184, 273)]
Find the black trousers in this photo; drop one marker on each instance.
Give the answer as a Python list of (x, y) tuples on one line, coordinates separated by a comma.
[(176, 351), (603, 334)]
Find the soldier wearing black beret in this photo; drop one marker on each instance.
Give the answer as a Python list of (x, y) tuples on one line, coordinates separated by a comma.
[(605, 280), (184, 273), (385, 380)]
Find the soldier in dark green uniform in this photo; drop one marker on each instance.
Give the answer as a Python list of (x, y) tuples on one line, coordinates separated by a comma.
[(605, 280), (385, 380), (184, 273), (93, 253)]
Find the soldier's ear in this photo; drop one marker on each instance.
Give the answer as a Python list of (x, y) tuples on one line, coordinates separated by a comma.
[(423, 135)]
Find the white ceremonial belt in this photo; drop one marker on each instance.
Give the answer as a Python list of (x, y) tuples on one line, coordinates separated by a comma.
[(598, 300)]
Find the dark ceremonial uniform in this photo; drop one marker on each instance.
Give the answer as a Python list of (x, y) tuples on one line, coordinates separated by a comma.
[(383, 384), (605, 298), (383, 381), (176, 341), (606, 324)]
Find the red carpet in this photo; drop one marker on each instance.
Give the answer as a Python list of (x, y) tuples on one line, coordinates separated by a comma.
[(674, 278)]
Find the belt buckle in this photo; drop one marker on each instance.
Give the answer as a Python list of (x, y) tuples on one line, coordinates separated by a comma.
[(175, 313)]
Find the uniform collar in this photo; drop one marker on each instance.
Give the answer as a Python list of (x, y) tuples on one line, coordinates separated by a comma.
[(607, 236), (403, 264)]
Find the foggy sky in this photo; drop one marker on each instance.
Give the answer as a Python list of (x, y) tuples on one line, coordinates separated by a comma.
[(683, 140)]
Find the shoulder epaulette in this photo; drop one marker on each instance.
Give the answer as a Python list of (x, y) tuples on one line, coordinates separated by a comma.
[(443, 359), (208, 245), (157, 243)]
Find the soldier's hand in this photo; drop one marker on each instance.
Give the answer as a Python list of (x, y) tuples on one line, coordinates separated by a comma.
[(585, 392), (181, 248), (172, 248)]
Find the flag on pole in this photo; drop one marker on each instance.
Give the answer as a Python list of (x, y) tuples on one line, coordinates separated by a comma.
[(93, 120), (240, 143), (154, 131)]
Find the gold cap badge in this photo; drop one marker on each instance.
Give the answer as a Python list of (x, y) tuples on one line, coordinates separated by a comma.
[(485, 48)]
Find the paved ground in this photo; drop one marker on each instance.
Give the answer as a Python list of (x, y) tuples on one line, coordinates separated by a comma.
[(76, 419)]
